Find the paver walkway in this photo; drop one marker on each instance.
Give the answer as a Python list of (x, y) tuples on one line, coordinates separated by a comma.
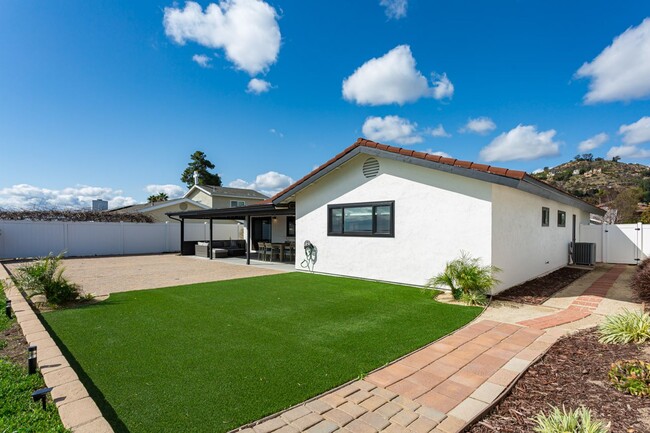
[(444, 386), (583, 306)]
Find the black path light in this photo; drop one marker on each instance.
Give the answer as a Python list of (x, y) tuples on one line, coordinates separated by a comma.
[(8, 309), (41, 395), (31, 359)]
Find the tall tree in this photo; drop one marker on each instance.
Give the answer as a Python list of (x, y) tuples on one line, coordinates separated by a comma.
[(200, 164), (161, 196)]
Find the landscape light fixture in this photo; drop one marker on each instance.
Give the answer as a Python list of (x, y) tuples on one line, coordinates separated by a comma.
[(31, 359), (8, 309), (41, 395)]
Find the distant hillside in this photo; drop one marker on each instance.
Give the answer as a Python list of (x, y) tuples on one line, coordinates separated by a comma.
[(598, 181)]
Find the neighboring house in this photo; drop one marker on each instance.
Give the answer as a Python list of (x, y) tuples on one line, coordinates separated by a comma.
[(217, 197), (158, 210), (386, 213)]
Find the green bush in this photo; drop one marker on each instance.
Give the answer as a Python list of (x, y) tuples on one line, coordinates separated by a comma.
[(45, 277), (626, 327), (571, 421), (632, 377), (641, 281), (468, 280)]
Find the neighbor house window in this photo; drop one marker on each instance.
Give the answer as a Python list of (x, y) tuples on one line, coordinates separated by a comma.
[(361, 219), (546, 216), (236, 203), (291, 227), (561, 218)]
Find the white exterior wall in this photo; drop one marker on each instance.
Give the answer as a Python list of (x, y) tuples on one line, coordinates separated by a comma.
[(279, 230), (521, 247), (437, 215)]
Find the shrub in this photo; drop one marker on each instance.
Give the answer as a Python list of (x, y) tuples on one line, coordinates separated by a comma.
[(467, 279), (626, 327), (571, 421), (641, 281), (45, 277), (632, 377)]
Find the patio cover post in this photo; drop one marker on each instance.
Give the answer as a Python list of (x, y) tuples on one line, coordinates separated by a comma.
[(182, 234), (210, 242), (248, 239)]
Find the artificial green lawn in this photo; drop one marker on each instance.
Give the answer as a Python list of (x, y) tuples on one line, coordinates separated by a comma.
[(213, 356)]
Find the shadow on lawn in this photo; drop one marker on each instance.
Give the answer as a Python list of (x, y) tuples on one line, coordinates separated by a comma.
[(104, 406)]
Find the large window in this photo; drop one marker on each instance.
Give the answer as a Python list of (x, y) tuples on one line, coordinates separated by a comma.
[(361, 219)]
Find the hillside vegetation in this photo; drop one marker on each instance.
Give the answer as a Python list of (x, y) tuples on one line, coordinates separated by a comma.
[(608, 184)]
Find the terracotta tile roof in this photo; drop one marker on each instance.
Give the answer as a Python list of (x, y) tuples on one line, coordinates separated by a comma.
[(361, 142)]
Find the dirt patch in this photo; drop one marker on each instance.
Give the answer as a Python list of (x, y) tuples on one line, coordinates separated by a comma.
[(572, 373), (539, 290), (13, 345)]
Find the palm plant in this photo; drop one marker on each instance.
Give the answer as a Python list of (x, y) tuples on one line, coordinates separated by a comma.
[(468, 280)]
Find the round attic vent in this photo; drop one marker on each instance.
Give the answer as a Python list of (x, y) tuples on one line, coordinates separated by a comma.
[(183, 206), (370, 167)]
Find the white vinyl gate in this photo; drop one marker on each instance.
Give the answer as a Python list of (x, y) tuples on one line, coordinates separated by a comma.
[(20, 239), (618, 243)]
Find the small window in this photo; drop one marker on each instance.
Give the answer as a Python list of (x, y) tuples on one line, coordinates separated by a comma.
[(546, 216), (235, 203), (361, 219), (291, 227), (561, 218)]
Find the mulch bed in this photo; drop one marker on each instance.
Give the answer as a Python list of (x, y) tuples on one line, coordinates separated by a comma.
[(15, 345), (539, 290), (573, 373)]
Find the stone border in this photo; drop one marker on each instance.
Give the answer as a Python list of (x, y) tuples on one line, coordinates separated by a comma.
[(77, 409)]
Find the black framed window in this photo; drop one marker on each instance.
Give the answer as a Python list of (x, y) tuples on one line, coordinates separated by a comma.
[(237, 203), (561, 218), (546, 217), (291, 226), (361, 219)]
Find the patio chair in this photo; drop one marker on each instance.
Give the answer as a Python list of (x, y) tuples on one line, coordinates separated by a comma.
[(290, 251), (261, 251), (276, 250)]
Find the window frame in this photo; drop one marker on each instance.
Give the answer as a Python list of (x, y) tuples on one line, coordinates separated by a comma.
[(546, 212), (561, 222), (238, 203), (289, 219), (374, 205)]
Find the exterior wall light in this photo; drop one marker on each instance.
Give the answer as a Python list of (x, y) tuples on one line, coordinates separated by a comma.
[(41, 395), (31, 359)]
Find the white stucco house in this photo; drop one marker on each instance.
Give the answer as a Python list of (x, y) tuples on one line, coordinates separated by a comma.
[(391, 214)]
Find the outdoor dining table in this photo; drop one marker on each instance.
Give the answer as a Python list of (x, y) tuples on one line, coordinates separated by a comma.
[(279, 246)]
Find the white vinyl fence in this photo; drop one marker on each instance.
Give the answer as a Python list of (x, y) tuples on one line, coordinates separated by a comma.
[(20, 239), (618, 243)]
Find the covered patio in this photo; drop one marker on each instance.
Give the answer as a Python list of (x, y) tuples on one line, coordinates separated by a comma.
[(266, 224)]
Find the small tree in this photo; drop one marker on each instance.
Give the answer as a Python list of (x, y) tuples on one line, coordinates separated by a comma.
[(468, 280), (626, 203), (200, 163), (161, 196), (616, 158)]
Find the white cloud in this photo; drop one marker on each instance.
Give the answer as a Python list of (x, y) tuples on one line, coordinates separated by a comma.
[(392, 129), (621, 72), (637, 132), (258, 86), (480, 125), (172, 191), (438, 153), (276, 132), (438, 131), (247, 30), (24, 196), (521, 143), (202, 60), (393, 79), (628, 151), (269, 183), (395, 9), (593, 142)]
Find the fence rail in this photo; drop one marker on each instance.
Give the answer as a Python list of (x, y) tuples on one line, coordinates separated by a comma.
[(19, 239)]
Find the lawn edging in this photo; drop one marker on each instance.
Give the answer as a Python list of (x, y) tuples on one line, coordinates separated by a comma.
[(76, 408)]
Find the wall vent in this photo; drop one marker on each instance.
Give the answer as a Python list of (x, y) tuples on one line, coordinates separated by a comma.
[(370, 168)]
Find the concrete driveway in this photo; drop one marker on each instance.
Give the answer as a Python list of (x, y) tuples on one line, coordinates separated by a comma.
[(105, 275)]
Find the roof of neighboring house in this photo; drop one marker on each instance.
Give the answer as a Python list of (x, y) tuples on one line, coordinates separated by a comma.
[(146, 207), (223, 191), (513, 178)]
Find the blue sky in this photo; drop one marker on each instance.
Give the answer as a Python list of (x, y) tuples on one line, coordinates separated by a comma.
[(107, 99)]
